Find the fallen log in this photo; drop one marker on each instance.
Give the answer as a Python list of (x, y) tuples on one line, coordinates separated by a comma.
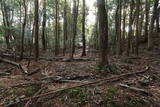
[(59, 90), (22, 68), (142, 91)]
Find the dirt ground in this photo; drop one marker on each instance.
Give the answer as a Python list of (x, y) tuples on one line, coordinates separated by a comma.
[(54, 77)]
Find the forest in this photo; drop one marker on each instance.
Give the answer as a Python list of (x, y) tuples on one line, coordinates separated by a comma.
[(79, 53)]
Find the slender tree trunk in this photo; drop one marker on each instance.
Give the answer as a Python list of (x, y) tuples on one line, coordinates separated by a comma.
[(83, 30), (141, 19), (157, 20), (20, 25), (5, 22), (124, 25), (119, 37), (103, 31), (36, 33), (130, 27), (65, 28), (23, 29), (56, 30), (137, 26), (147, 8), (44, 26), (154, 14), (75, 18)]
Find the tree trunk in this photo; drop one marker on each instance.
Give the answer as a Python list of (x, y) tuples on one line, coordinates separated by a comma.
[(137, 26), (119, 38), (83, 30), (154, 15), (36, 33), (23, 29), (147, 8), (65, 28), (44, 26), (157, 20), (141, 20), (5, 22), (56, 29), (124, 24), (103, 31), (130, 27), (75, 18)]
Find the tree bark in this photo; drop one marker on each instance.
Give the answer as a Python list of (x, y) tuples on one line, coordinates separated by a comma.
[(65, 28), (119, 35), (44, 26), (23, 29), (56, 29), (83, 30), (75, 18), (124, 24), (103, 31), (157, 20), (137, 27), (36, 33), (130, 27), (154, 14)]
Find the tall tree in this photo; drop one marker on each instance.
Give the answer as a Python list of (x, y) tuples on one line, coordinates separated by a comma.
[(65, 28), (130, 27), (23, 29), (44, 26), (137, 26), (6, 21), (75, 18), (36, 33), (119, 35), (56, 29), (124, 22), (147, 8), (83, 29), (103, 31), (154, 15), (157, 20)]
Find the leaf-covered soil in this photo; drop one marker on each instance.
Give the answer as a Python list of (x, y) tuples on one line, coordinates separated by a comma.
[(55, 75), (48, 87)]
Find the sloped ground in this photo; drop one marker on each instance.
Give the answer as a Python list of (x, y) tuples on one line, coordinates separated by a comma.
[(21, 90)]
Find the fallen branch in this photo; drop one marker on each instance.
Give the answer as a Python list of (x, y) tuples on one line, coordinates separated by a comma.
[(59, 78), (4, 74), (34, 72), (22, 68), (111, 79), (32, 100), (142, 91), (26, 84), (9, 70)]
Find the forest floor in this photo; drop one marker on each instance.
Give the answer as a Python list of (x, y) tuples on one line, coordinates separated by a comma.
[(128, 82)]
